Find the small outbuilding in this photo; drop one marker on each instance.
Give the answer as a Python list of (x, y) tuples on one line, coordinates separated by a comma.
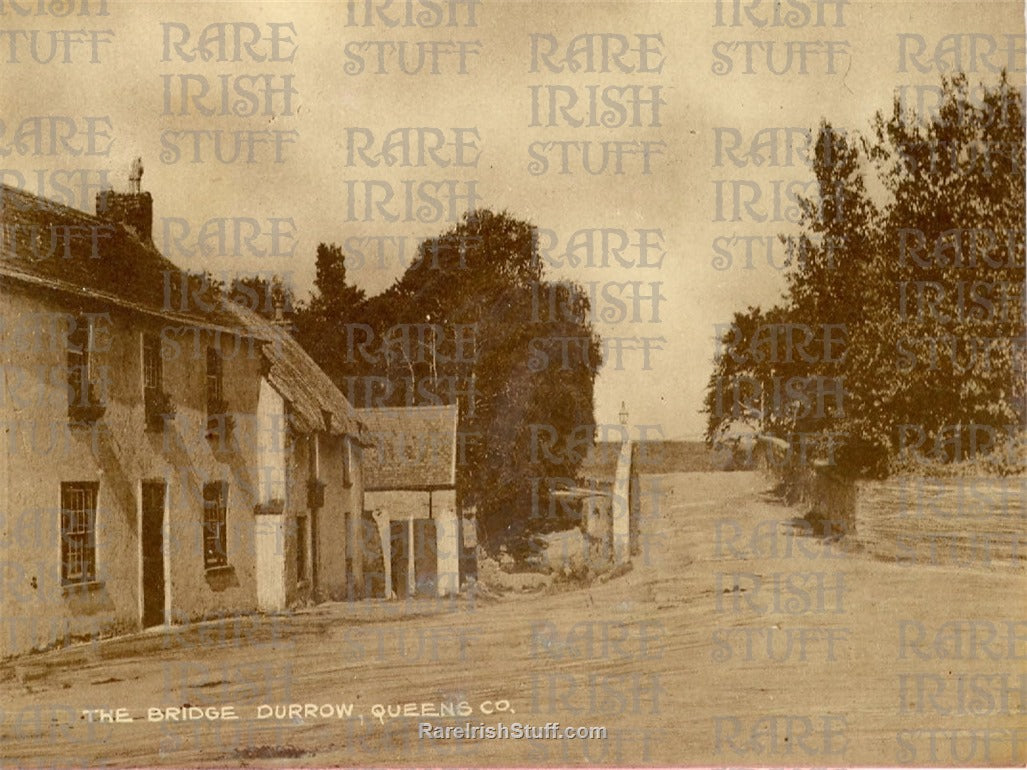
[(410, 498)]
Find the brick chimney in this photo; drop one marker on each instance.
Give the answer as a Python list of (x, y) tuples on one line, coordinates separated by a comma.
[(134, 210)]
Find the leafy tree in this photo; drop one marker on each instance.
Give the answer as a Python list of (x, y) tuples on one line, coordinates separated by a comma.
[(927, 283), (952, 252), (321, 325), (334, 295), (263, 295), (473, 320)]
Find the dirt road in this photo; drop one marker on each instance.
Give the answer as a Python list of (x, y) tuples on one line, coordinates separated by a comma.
[(732, 641)]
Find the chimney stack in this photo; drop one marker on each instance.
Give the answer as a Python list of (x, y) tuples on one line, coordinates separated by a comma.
[(133, 209), (279, 318)]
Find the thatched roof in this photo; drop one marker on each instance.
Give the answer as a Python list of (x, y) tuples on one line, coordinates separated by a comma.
[(53, 247), (316, 405)]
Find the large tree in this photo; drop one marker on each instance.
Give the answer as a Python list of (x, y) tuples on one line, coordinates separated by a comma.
[(925, 279), (322, 323), (473, 320)]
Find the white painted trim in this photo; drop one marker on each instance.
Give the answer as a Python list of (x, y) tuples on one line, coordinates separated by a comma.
[(141, 588), (142, 371), (96, 531), (411, 565), (456, 441), (59, 561), (166, 551)]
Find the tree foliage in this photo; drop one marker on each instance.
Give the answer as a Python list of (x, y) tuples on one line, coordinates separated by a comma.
[(474, 321), (321, 325), (925, 280), (264, 295)]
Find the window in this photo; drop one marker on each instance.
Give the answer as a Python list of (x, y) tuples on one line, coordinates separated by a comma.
[(215, 524), (215, 387), (78, 532), (83, 402), (153, 382), (78, 364), (153, 368), (301, 547)]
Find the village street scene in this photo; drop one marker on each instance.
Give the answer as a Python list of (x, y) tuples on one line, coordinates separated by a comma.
[(678, 671), (466, 383)]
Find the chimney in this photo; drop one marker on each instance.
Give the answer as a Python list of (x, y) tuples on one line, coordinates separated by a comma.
[(279, 318), (133, 209)]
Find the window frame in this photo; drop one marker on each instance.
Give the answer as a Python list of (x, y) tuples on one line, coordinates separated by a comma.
[(215, 498), (347, 460), (152, 345), (85, 533), (215, 381), (79, 364)]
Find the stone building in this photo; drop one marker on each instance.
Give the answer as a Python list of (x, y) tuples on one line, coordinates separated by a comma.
[(169, 455), (411, 498)]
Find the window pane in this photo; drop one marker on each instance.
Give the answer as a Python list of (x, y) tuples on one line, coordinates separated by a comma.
[(152, 373), (214, 378), (78, 363), (78, 531), (215, 532)]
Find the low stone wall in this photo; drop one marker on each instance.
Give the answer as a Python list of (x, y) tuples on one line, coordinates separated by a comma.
[(597, 528), (828, 497), (772, 457)]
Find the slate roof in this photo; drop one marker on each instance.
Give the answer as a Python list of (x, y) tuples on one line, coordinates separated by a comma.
[(409, 448), (55, 248), (52, 246)]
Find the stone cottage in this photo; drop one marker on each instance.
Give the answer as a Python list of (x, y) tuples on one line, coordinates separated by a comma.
[(169, 455)]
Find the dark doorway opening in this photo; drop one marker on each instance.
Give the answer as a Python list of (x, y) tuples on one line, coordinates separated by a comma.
[(314, 566), (425, 557), (420, 555), (153, 553), (398, 534)]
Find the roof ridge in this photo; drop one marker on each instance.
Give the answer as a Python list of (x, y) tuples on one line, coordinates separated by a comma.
[(52, 205)]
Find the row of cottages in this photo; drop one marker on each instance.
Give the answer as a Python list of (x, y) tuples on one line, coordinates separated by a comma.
[(417, 544), (168, 457)]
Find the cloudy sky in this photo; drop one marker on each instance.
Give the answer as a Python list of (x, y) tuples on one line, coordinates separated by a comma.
[(505, 75)]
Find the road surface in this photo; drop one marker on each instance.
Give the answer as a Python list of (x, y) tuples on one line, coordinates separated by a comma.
[(732, 641)]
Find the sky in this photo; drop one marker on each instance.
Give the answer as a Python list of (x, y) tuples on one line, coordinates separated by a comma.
[(688, 82)]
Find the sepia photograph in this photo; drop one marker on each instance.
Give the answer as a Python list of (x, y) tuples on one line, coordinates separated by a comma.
[(513, 383)]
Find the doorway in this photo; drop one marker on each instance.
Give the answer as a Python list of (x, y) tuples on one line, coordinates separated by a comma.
[(152, 544), (399, 545), (313, 552), (414, 557)]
